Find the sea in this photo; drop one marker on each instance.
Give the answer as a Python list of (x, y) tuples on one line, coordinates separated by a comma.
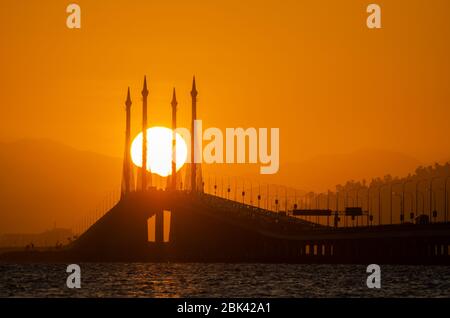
[(222, 280)]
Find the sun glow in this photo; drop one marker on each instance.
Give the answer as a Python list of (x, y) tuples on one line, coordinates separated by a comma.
[(159, 151)]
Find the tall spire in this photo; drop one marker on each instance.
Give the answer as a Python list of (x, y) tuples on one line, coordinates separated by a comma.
[(193, 137), (174, 104), (127, 171), (144, 135), (144, 89), (128, 101), (194, 89)]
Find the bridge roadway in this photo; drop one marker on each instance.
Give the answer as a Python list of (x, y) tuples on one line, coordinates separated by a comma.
[(289, 227)]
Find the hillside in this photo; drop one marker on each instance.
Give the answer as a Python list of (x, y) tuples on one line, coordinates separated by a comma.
[(44, 183)]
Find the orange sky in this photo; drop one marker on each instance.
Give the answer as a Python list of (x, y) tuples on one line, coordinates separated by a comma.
[(311, 68)]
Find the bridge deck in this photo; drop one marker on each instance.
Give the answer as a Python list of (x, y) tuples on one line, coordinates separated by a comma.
[(288, 227)]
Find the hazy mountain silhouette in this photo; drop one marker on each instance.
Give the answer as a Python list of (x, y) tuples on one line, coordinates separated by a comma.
[(321, 172), (326, 171), (44, 182)]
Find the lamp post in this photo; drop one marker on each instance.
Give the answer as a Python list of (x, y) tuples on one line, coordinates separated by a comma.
[(243, 192), (357, 203), (431, 195), (295, 199), (401, 202), (417, 197), (368, 204), (235, 189), (446, 198), (411, 201), (337, 209), (259, 195), (402, 214), (402, 207), (328, 207), (379, 203), (285, 200), (215, 186), (318, 205), (423, 201), (393, 184), (346, 205)]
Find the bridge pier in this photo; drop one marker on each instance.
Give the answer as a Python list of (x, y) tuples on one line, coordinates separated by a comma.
[(159, 227)]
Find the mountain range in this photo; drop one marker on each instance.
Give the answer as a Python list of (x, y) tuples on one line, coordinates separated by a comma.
[(45, 184)]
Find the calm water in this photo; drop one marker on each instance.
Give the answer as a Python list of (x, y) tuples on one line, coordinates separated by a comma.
[(222, 280)]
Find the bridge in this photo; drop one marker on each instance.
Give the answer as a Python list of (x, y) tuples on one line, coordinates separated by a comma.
[(191, 225), (207, 228), (204, 227)]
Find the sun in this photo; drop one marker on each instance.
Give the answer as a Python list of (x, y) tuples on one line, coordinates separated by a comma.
[(159, 151)]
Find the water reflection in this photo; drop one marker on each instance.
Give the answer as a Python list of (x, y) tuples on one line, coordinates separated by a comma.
[(221, 280)]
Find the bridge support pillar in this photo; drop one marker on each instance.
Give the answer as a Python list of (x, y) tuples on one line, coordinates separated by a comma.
[(159, 227)]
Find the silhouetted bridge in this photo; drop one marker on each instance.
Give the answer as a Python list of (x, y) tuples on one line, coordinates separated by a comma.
[(206, 228)]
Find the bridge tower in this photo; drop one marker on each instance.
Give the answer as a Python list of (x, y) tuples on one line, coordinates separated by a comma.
[(174, 104), (195, 168), (127, 173), (194, 117), (144, 175)]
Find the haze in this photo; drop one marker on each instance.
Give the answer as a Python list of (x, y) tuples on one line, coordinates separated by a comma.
[(311, 68)]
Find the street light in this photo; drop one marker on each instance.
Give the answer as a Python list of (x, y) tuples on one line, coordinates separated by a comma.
[(243, 192), (369, 216), (393, 184), (431, 197), (411, 214), (259, 195), (286, 200), (368, 201), (402, 207), (417, 197), (401, 204), (328, 207), (336, 223), (379, 202), (446, 198), (215, 186), (318, 204), (346, 205)]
